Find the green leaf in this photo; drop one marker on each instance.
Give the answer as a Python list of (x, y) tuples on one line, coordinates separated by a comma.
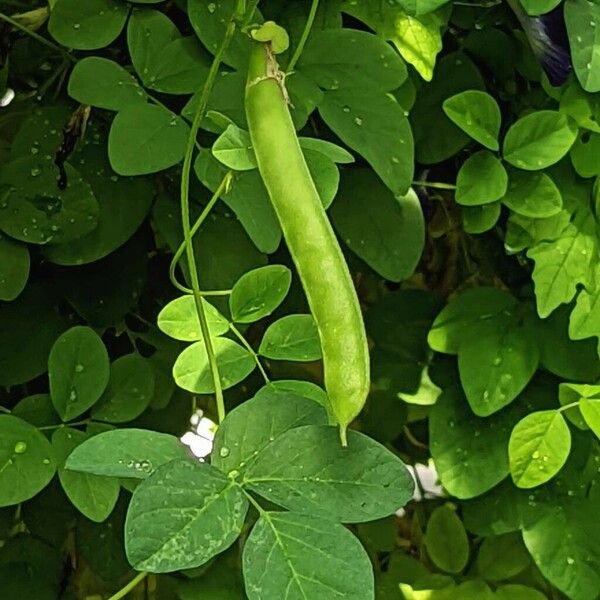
[(192, 370), (477, 114), (479, 219), (515, 591), (93, 495), (581, 18), (590, 409), (525, 232), (469, 452), (339, 59), (33, 317), (565, 544), (277, 562), (78, 370), (502, 557), (582, 107), (482, 179), (14, 268), (129, 392), (562, 264), (421, 7), (209, 20), (496, 360), (584, 154), (119, 216), (332, 151), (103, 83), (462, 312), (241, 437), (297, 387), (145, 139), (247, 197), (88, 26), (572, 393), (179, 319), (181, 516), (387, 232), (307, 470), (418, 38), (533, 195), (539, 140), (293, 337), (259, 292), (538, 7), (446, 540), (37, 410), (126, 453), (33, 209), (233, 148), (437, 137), (376, 127), (538, 448), (26, 461)]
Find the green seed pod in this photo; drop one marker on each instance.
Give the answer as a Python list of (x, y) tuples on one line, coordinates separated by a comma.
[(310, 238)]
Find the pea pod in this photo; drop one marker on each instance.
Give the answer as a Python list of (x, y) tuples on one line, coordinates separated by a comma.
[(309, 237)]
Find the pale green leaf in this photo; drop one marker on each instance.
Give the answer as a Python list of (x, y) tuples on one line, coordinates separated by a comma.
[(482, 179), (179, 319), (446, 540), (259, 292), (293, 337), (538, 448), (582, 18)]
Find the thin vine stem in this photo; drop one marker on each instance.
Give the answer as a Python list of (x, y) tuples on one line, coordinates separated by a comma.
[(435, 185), (36, 36), (221, 189), (304, 37), (61, 425), (130, 586), (185, 207), (238, 334), (568, 406)]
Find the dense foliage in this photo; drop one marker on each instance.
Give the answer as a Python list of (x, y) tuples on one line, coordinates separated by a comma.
[(455, 146)]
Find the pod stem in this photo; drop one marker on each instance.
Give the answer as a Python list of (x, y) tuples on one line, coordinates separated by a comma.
[(185, 206)]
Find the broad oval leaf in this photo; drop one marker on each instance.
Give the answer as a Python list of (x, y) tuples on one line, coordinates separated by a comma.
[(307, 470), (104, 83), (233, 148), (477, 114), (93, 495), (257, 293), (179, 319), (293, 337), (533, 195), (581, 18), (34, 209), (501, 557), (302, 556), (496, 360), (387, 232), (192, 370), (482, 179), (193, 513), (146, 138), (590, 409), (538, 448), (539, 140), (339, 59), (14, 268), (89, 25), (241, 436), (129, 392), (446, 540), (78, 369), (464, 310), (126, 453), (26, 461), (565, 544), (479, 219), (376, 127)]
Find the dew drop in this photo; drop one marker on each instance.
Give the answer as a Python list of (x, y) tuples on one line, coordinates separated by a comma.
[(535, 455), (79, 368), (20, 447), (211, 7), (570, 560), (358, 121), (224, 452), (35, 171)]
